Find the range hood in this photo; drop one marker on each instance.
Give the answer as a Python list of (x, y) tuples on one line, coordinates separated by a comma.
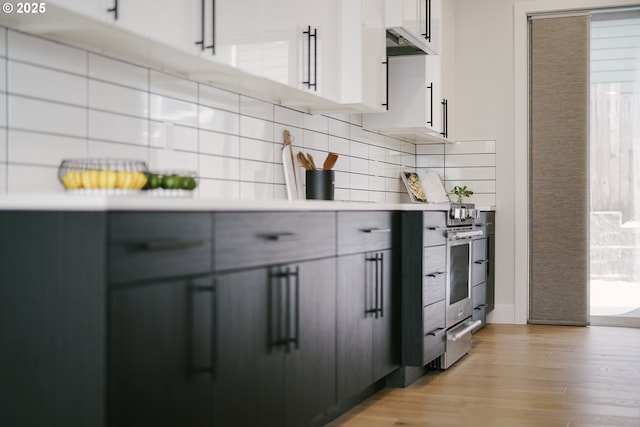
[(402, 42)]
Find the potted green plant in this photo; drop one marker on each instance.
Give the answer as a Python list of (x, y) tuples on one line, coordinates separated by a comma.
[(461, 192)]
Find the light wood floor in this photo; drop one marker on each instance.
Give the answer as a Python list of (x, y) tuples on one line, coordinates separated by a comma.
[(521, 375)]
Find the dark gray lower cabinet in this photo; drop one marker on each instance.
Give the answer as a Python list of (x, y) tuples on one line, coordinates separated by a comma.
[(366, 347), (160, 363), (275, 360), (52, 319)]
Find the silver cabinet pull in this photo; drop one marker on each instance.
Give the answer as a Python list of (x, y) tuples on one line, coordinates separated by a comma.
[(438, 273), (435, 332)]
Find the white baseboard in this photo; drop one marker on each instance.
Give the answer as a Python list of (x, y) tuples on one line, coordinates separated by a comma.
[(502, 313)]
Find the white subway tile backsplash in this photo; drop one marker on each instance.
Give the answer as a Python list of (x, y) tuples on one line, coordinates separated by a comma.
[(432, 161), (339, 146), (47, 53), (316, 123), (469, 160), (218, 98), (172, 160), (167, 109), (38, 82), (221, 144), (45, 116), (3, 110), (377, 196), (3, 74), (181, 137), (359, 149), (113, 150), (43, 149), (316, 141), (256, 108), (252, 149), (216, 188), (33, 179), (118, 72), (3, 178), (430, 149), (338, 128), (118, 99), (219, 167), (173, 87), (288, 117), (117, 128), (256, 191), (233, 142), (254, 171), (359, 181), (3, 145), (3, 41), (471, 147), (218, 120), (251, 127)]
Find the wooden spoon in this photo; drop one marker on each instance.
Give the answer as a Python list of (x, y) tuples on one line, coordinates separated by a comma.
[(303, 161), (330, 161), (313, 164)]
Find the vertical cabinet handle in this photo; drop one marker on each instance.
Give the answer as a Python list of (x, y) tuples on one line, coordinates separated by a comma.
[(202, 359), (427, 21), (114, 9), (201, 41), (312, 35), (378, 287), (430, 88), (284, 317), (386, 66), (445, 118)]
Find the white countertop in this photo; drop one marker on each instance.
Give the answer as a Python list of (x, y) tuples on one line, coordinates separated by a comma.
[(66, 202)]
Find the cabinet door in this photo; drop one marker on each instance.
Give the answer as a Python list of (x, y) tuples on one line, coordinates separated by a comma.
[(354, 328), (311, 365), (96, 9), (385, 343), (52, 318), (160, 364), (249, 382)]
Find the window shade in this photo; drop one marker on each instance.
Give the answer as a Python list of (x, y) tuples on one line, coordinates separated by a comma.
[(559, 170)]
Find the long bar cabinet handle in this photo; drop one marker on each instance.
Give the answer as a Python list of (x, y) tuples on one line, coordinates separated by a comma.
[(376, 230), (166, 245), (201, 41), (212, 46), (386, 66), (430, 87), (114, 10)]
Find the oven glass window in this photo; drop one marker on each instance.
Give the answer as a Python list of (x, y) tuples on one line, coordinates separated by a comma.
[(459, 273)]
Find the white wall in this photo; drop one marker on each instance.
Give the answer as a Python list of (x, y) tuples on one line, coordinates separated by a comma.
[(491, 103)]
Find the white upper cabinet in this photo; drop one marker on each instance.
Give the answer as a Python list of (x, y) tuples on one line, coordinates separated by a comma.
[(415, 110), (415, 22), (322, 56)]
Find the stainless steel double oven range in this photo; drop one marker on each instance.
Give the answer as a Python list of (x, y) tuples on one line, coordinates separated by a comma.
[(461, 231)]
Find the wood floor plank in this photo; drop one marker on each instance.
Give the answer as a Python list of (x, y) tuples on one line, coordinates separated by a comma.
[(521, 375)]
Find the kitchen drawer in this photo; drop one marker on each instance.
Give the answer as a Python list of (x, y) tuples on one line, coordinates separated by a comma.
[(433, 288), (479, 266), (248, 239), (364, 231), (480, 313), (434, 331), (434, 259), (434, 224), (150, 245), (479, 295)]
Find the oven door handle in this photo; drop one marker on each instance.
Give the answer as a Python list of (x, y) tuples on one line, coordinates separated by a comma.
[(468, 329)]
